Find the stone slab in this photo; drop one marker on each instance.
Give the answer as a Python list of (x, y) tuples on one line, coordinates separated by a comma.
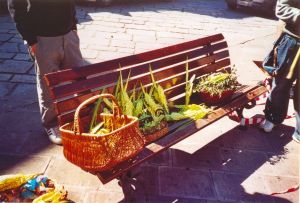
[(21, 121), (14, 164), (9, 47), (5, 37), (281, 184), (186, 183), (22, 57), (240, 188), (74, 176), (207, 157), (244, 161), (6, 88), (12, 66), (6, 55), (5, 77), (25, 92), (24, 78)]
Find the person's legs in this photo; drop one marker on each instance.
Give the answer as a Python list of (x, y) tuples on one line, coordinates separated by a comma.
[(278, 100), (296, 135), (49, 55), (72, 54)]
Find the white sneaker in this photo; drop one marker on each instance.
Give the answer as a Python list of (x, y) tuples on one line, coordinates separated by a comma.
[(54, 135), (296, 136), (267, 126)]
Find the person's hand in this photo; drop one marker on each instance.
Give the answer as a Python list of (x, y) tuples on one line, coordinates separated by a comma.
[(32, 50)]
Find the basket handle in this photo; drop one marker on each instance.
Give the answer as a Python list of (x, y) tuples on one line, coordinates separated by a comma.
[(77, 122)]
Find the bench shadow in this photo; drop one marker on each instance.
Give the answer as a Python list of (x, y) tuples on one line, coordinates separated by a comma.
[(215, 172)]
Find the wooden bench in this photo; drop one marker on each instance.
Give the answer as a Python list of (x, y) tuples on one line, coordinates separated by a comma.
[(71, 87)]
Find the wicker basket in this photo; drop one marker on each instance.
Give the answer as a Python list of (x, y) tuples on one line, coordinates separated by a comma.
[(97, 153)]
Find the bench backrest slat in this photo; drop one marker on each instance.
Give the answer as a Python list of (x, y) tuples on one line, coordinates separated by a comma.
[(82, 72), (71, 87)]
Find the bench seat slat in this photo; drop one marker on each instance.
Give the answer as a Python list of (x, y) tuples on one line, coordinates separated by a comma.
[(169, 140)]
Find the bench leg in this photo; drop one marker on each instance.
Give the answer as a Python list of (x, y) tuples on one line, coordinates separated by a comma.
[(239, 112), (128, 178), (238, 116)]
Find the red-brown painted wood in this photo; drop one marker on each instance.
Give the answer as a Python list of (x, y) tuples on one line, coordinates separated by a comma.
[(53, 79), (176, 135)]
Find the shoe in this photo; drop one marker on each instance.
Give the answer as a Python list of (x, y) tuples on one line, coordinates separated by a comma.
[(267, 126), (54, 135), (296, 136)]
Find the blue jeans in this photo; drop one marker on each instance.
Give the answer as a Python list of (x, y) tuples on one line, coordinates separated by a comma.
[(278, 100)]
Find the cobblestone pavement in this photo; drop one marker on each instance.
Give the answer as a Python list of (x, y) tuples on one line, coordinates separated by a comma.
[(218, 164)]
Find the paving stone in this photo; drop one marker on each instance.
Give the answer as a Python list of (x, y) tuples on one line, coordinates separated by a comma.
[(11, 104), (251, 139), (22, 57), (142, 38), (121, 36), (11, 141), (5, 37), (24, 78), (11, 66), (164, 199), (75, 176), (140, 32), (105, 29), (20, 121), (125, 50), (89, 54), (5, 77), (97, 196), (108, 24), (122, 43), (75, 193), (7, 26), (32, 71), (25, 92), (240, 188), (144, 183), (5, 55), (282, 142), (9, 47), (96, 45), (38, 143), (162, 159), (6, 88), (280, 184), (16, 40), (206, 157), (23, 48), (242, 160), (186, 183), (284, 165), (14, 164)]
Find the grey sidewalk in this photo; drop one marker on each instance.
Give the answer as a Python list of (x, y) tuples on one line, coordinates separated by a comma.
[(218, 164)]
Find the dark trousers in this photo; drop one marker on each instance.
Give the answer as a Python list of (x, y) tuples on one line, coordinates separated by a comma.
[(278, 100)]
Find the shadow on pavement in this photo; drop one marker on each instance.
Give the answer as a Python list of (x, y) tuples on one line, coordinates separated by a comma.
[(223, 170)]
